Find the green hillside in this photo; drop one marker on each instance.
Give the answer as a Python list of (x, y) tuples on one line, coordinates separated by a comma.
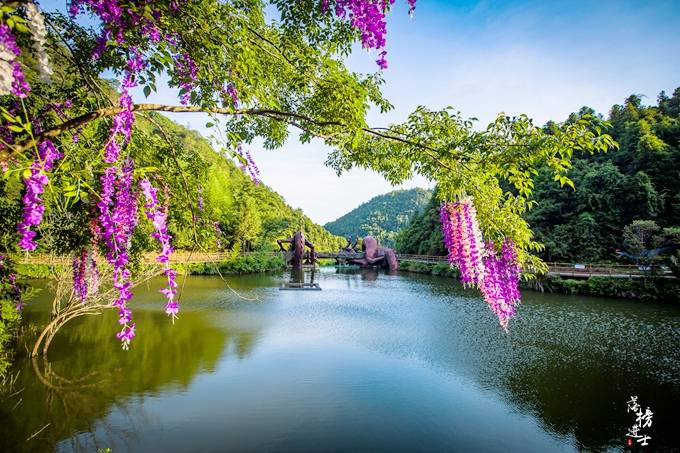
[(251, 216), (640, 182), (382, 216)]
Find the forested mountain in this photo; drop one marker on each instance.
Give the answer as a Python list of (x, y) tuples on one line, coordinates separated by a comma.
[(382, 216), (639, 181)]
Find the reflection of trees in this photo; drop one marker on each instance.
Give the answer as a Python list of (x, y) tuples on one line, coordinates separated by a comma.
[(585, 396), (88, 374)]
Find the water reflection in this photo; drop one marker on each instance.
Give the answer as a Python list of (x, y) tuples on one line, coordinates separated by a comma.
[(87, 373), (372, 362)]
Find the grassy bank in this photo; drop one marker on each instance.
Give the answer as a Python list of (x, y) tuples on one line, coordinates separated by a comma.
[(651, 288), (440, 269), (250, 264)]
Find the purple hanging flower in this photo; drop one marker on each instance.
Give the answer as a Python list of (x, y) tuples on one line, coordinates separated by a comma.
[(34, 206), (187, 73), (463, 241), (496, 276), (79, 275), (368, 16), (158, 214), (501, 282), (117, 221), (247, 164)]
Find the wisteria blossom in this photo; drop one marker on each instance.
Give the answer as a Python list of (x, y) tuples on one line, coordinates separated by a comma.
[(12, 80), (33, 205), (117, 220), (480, 266), (500, 286), (187, 72), (463, 239), (230, 91), (117, 217), (248, 165), (368, 16), (158, 214), (85, 274)]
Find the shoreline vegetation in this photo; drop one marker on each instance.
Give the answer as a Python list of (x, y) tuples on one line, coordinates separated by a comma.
[(252, 263), (652, 288)]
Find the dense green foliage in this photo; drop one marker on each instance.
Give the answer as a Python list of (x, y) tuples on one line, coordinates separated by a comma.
[(252, 217), (639, 181), (423, 235), (381, 217), (249, 264), (648, 289)]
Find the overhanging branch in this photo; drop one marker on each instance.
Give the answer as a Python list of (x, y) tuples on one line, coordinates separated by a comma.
[(291, 118)]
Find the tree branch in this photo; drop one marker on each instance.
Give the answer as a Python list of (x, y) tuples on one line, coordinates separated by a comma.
[(279, 115)]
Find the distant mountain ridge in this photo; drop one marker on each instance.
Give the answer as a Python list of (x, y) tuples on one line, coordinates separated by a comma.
[(382, 216)]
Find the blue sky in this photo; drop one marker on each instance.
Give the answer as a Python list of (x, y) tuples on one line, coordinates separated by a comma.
[(542, 58)]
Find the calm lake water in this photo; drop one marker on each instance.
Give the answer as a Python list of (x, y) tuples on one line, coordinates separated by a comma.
[(372, 363)]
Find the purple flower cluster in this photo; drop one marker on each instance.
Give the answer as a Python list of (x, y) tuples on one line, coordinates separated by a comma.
[(117, 20), (496, 276), (248, 165), (501, 281), (368, 16), (187, 72), (158, 214), (463, 240), (117, 221), (12, 78), (85, 275), (200, 197), (123, 121), (230, 90), (34, 207)]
